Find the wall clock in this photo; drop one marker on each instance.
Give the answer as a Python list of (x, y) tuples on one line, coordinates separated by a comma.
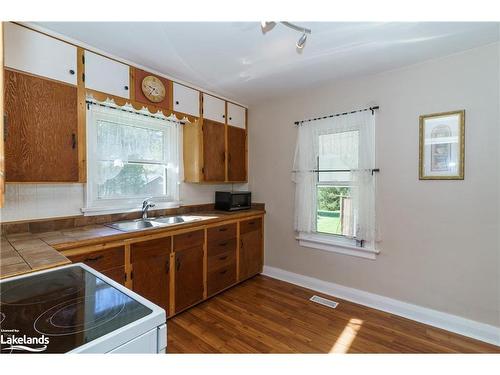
[(153, 89)]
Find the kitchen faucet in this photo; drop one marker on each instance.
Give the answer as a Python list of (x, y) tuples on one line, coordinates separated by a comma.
[(146, 204)]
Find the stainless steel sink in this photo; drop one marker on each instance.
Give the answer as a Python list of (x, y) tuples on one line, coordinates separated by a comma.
[(154, 222)]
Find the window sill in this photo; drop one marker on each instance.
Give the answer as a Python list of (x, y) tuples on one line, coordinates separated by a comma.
[(336, 245)]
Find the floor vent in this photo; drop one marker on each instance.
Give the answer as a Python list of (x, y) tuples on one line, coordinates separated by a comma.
[(324, 301)]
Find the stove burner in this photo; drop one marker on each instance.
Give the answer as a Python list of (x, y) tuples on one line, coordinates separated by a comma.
[(76, 316), (44, 288)]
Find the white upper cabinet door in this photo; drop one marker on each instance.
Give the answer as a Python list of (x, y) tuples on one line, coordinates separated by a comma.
[(214, 108), (31, 52), (106, 75), (186, 100), (236, 115)]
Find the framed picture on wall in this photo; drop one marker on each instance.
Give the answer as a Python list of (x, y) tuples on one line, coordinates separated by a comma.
[(442, 146)]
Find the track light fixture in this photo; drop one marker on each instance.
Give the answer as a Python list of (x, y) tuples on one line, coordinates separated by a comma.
[(268, 25)]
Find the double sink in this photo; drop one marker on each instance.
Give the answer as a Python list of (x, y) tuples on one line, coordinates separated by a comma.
[(155, 222)]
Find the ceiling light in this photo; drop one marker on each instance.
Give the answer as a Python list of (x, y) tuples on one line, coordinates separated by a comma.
[(301, 41), (268, 25)]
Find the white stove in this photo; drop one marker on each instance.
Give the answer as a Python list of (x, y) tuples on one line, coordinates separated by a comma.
[(75, 309)]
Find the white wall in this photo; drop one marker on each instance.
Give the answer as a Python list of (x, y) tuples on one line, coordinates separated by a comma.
[(440, 247), (38, 201)]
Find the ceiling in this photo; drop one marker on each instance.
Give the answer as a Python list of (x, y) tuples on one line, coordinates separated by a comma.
[(238, 61)]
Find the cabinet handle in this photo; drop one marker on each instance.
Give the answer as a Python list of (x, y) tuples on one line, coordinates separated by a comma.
[(93, 259), (222, 229), (176, 102), (71, 71), (178, 264), (223, 272), (224, 257), (229, 157), (126, 87), (73, 141), (241, 244), (5, 127), (223, 116), (168, 266), (223, 243), (230, 118)]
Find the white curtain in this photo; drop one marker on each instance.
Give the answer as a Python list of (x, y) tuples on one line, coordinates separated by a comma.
[(351, 140)]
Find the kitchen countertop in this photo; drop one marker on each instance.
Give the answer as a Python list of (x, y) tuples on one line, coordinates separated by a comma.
[(27, 252)]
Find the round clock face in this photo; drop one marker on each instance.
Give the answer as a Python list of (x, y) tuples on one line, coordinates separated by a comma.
[(153, 89)]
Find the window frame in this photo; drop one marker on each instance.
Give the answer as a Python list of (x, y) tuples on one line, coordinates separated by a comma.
[(95, 205), (329, 241)]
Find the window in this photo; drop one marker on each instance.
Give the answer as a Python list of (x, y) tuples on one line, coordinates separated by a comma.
[(131, 156), (337, 154), (335, 184)]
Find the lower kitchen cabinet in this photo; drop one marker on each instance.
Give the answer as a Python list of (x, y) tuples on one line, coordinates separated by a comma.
[(251, 259), (110, 262), (180, 270), (150, 262), (188, 277)]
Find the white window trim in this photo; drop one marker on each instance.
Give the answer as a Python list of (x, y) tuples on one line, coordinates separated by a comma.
[(336, 244), (124, 205)]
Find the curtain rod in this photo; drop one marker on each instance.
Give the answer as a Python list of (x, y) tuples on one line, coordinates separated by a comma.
[(91, 102), (338, 114)]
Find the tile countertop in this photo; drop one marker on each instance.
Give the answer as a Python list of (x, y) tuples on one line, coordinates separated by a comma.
[(27, 252)]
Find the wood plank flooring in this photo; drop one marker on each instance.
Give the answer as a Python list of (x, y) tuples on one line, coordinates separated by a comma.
[(265, 315)]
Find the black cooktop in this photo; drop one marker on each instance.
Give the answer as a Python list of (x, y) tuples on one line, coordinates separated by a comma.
[(58, 311)]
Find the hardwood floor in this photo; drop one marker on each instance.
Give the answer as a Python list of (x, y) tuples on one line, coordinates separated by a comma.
[(265, 315)]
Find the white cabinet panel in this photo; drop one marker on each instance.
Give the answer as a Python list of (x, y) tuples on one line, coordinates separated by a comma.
[(39, 54), (106, 75), (235, 115), (186, 100), (214, 108)]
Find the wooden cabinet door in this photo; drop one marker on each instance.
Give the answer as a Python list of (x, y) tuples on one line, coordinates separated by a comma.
[(250, 253), (151, 270), (236, 149), (186, 100), (106, 75), (35, 53), (2, 164), (188, 277), (236, 115), (214, 151), (41, 142), (214, 108)]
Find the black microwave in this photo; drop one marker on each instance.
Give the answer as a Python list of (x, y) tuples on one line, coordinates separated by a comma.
[(233, 200)]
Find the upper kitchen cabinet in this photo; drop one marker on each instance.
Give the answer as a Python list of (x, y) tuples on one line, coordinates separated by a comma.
[(236, 115), (186, 100), (214, 108), (41, 130), (38, 54), (106, 75)]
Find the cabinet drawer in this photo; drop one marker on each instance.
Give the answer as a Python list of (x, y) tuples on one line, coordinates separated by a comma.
[(117, 274), (250, 225), (188, 240), (101, 260), (221, 232), (221, 279), (221, 246), (149, 249), (222, 260)]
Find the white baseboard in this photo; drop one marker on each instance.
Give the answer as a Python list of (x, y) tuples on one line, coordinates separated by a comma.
[(449, 322)]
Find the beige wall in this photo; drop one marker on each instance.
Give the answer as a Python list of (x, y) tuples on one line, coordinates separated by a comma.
[(440, 246)]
